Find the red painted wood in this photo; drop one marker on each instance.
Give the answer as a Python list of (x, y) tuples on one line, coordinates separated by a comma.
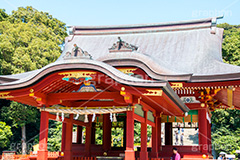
[(129, 152), (107, 132), (159, 133), (54, 98), (156, 137), (193, 106), (138, 118), (203, 136), (150, 123), (128, 98), (43, 136), (174, 107), (209, 139), (147, 107), (143, 152), (68, 140), (92, 103), (88, 137), (63, 136)]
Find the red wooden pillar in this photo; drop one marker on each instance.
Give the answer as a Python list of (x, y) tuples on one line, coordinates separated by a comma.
[(168, 133), (203, 136), (88, 138), (68, 139), (156, 137), (143, 152), (43, 136), (159, 133), (107, 127), (79, 134), (63, 136), (209, 138), (129, 152)]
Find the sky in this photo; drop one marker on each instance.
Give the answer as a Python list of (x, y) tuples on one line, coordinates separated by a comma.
[(113, 12)]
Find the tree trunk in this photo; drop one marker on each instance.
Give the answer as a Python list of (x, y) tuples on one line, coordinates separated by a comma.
[(24, 145)]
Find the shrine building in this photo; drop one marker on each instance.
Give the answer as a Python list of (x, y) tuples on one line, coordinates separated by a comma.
[(114, 76)]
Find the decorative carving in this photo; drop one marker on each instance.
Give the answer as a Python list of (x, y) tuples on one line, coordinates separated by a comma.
[(77, 77), (87, 87), (128, 71), (191, 99), (152, 92), (77, 74), (122, 46), (77, 52), (176, 85), (5, 95)]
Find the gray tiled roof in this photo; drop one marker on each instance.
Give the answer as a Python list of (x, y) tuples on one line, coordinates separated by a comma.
[(175, 48), (196, 52)]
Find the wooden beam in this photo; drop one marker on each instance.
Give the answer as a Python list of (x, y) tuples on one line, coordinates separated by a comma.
[(56, 98), (151, 123), (138, 118), (146, 106), (92, 104), (172, 104), (193, 106)]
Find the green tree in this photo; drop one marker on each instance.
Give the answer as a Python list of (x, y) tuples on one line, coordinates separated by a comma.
[(3, 15), (228, 144), (30, 14), (231, 43), (29, 40), (28, 115), (226, 130), (5, 134)]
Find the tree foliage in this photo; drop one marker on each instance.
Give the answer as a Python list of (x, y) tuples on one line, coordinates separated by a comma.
[(29, 40), (231, 43), (3, 15), (226, 130), (5, 134), (28, 114), (39, 18)]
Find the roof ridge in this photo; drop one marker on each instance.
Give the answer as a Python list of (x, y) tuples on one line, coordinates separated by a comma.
[(142, 28), (148, 24)]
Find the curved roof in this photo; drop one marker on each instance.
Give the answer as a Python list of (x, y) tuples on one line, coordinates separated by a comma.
[(87, 64), (78, 63), (175, 48), (184, 50)]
